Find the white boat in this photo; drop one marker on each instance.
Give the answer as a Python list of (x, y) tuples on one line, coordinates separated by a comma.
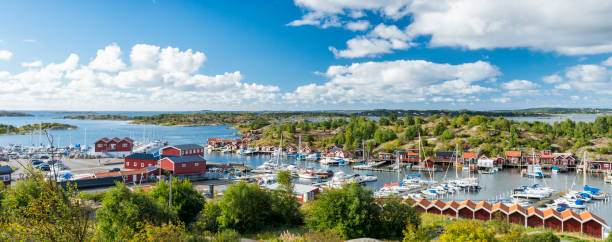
[(312, 157), (330, 161), (430, 193), (369, 178)]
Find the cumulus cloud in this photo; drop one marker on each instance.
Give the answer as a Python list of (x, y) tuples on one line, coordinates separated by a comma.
[(519, 85), (108, 59), (552, 79), (476, 24), (358, 25), (32, 64), (607, 62), (157, 78), (500, 99), (382, 39), (5, 55), (396, 82)]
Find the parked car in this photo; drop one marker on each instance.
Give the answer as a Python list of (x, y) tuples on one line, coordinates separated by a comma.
[(114, 169), (44, 167), (36, 162)]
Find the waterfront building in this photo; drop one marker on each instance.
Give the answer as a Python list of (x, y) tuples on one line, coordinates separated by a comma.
[(567, 221), (139, 161), (5, 174), (184, 165), (115, 147), (183, 150)]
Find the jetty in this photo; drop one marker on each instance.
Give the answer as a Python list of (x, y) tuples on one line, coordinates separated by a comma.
[(548, 200)]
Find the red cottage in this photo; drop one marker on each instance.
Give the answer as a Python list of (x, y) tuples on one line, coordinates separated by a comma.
[(139, 161), (514, 157), (183, 150), (114, 145), (5, 174), (184, 165)]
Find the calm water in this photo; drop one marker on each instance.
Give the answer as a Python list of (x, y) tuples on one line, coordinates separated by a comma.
[(97, 129), (494, 186)]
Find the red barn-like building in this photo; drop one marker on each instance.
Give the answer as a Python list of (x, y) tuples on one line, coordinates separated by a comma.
[(183, 150), (114, 145), (5, 174), (184, 165), (139, 161)]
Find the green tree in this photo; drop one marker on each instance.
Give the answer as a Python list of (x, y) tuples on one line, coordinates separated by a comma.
[(396, 216), (447, 134), (245, 207), (439, 129), (209, 217), (351, 211), (122, 209), (466, 231), (286, 206), (38, 209), (186, 200)]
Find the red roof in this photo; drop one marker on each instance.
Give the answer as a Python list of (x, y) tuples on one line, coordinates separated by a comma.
[(469, 155), (513, 153), (534, 211)]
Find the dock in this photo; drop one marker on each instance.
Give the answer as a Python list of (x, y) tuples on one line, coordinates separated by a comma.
[(547, 200)]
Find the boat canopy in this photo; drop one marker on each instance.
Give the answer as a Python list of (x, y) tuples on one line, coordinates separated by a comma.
[(591, 189), (414, 175)]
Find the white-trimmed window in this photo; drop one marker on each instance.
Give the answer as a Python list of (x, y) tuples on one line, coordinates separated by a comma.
[(183, 165), (142, 164), (124, 145), (196, 164), (127, 163), (99, 145), (6, 177)]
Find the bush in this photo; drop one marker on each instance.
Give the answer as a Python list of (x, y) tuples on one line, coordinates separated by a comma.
[(122, 209), (209, 216), (396, 216), (541, 237), (351, 211), (245, 208), (467, 231), (187, 202)]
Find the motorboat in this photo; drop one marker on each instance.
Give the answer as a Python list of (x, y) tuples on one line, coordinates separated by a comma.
[(369, 178), (595, 193), (330, 161), (430, 193)]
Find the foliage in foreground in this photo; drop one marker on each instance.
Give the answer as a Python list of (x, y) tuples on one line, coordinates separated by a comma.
[(353, 212), (35, 209)]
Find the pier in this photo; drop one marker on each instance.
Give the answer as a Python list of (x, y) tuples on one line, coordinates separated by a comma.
[(547, 200)]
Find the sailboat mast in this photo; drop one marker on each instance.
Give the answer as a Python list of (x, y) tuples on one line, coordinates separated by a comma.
[(585, 166), (456, 160)]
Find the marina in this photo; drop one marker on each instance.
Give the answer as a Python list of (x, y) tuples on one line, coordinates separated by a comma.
[(494, 185)]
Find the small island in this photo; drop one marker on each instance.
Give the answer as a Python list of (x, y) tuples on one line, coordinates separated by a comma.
[(14, 114), (33, 128)]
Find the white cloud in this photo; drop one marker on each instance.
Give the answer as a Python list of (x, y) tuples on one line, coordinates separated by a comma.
[(552, 79), (32, 64), (575, 98), (560, 26), (173, 60), (382, 39), (5, 55), (358, 25), (396, 82), (156, 79), (29, 40), (607, 62), (591, 78), (500, 99), (519, 85), (108, 59)]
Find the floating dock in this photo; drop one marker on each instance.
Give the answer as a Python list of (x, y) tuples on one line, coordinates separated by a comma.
[(548, 200)]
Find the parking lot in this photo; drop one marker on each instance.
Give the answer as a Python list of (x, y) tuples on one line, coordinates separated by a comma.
[(74, 166)]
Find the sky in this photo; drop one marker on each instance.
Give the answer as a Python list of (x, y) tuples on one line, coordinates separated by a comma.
[(162, 55)]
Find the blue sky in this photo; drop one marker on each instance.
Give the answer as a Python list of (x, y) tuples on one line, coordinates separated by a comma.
[(304, 55)]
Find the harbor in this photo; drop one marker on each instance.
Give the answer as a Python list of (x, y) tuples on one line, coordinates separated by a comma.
[(494, 185)]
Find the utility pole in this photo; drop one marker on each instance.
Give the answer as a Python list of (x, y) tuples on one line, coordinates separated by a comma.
[(170, 195)]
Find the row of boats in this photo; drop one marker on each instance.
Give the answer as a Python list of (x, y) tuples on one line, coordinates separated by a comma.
[(571, 199)]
